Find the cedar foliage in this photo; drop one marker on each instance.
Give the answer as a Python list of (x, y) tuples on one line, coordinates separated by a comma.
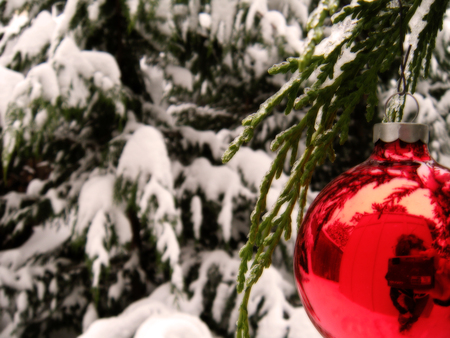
[(345, 70)]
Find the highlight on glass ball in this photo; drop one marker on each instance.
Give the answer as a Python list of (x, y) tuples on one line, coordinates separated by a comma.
[(372, 257)]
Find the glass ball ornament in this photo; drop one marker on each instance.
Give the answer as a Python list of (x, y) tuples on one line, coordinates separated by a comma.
[(372, 257)]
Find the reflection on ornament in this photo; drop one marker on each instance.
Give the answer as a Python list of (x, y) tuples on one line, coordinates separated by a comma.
[(372, 257)]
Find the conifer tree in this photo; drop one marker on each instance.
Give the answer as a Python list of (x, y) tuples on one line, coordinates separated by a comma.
[(118, 217)]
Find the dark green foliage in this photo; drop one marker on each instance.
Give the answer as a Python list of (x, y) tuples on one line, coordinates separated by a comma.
[(369, 44)]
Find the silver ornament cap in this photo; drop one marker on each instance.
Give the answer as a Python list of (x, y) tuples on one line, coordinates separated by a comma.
[(407, 132)]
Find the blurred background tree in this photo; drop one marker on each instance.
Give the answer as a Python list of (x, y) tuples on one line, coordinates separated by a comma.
[(118, 217)]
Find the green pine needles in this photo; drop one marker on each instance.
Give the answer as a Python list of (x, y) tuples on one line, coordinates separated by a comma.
[(343, 69)]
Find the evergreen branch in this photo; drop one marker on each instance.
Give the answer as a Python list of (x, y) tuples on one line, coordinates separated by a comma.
[(345, 69), (252, 121), (302, 203)]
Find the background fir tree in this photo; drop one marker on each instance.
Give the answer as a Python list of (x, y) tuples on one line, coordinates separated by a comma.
[(118, 217)]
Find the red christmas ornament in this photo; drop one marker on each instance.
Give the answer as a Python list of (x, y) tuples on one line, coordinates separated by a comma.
[(372, 258)]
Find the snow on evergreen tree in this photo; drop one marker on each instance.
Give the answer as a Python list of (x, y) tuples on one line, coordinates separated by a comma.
[(118, 217)]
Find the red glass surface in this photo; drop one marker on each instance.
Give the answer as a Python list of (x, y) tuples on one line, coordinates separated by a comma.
[(372, 258)]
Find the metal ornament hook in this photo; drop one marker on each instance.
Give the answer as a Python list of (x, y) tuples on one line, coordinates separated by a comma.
[(401, 94)]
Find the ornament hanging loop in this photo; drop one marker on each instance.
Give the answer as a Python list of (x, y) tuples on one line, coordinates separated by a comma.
[(401, 94)]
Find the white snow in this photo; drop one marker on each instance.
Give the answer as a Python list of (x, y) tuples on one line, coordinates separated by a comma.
[(40, 286), (227, 267), (9, 144), (416, 25), (443, 37), (432, 115), (22, 302), (18, 280), (75, 68), (300, 9), (202, 138), (180, 325), (238, 22), (443, 105), (90, 201), (93, 208), (4, 299), (76, 298), (144, 156), (293, 38), (63, 21), (227, 61), (58, 204), (121, 223), (300, 325), (215, 181), (205, 20), (126, 324), (180, 76), (40, 118), (13, 200), (96, 236), (224, 292), (164, 11), (345, 57), (162, 295), (177, 279), (12, 5), (253, 166), (94, 9), (154, 81), (177, 109), (166, 205), (222, 19), (32, 41), (53, 286), (16, 23), (90, 316), (133, 6), (196, 215), (8, 80), (339, 32), (274, 289), (115, 290), (272, 20), (104, 63), (45, 238), (257, 58), (53, 304), (168, 244), (72, 71), (8, 331), (273, 24), (257, 7)]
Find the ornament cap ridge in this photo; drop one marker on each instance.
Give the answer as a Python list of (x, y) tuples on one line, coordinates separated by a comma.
[(407, 132)]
